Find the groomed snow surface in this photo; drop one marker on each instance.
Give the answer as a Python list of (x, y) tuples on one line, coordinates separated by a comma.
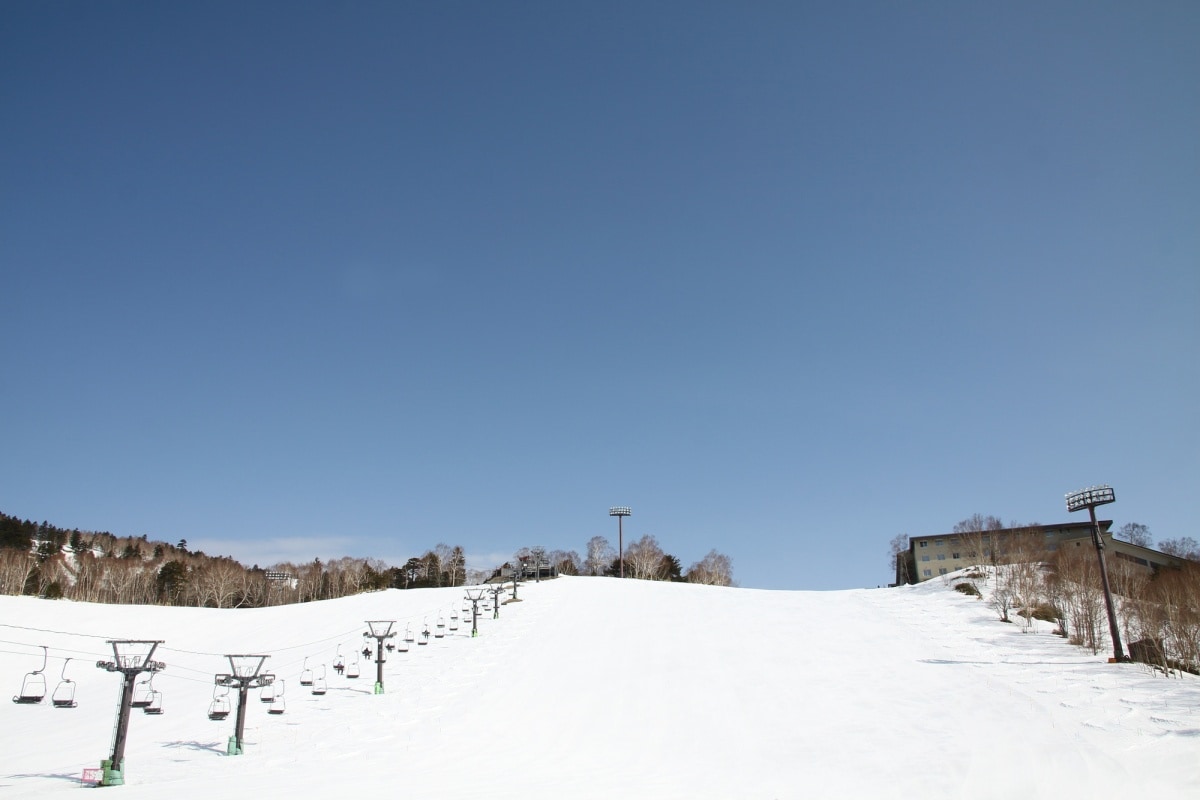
[(603, 688)]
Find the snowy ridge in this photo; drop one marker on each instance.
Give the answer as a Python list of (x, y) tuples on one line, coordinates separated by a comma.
[(595, 687)]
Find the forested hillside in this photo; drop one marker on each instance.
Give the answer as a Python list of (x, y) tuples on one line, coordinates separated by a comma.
[(47, 561)]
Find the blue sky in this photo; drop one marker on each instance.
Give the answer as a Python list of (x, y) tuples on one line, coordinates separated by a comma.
[(296, 280)]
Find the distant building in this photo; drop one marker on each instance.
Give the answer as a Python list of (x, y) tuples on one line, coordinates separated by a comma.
[(932, 556)]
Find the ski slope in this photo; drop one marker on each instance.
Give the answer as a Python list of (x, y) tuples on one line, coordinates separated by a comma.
[(601, 688)]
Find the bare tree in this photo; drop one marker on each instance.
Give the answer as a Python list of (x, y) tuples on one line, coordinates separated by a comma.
[(456, 565), (600, 555), (1183, 547), (1077, 578), (974, 536), (14, 570), (1021, 577), (565, 561), (715, 569), (643, 559), (1135, 533), (898, 561)]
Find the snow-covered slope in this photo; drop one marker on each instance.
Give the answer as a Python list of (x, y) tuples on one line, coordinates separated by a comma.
[(599, 688)]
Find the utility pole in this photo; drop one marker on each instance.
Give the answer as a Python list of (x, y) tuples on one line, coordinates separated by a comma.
[(130, 658), (381, 629), (245, 673)]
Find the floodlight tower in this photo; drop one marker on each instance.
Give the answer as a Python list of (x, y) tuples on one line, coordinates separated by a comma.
[(380, 629), (1089, 498), (620, 512), (245, 673), (130, 658), (475, 595)]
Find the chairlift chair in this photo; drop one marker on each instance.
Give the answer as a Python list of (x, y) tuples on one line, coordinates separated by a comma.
[(267, 694), (454, 622), (440, 631), (218, 709), (142, 691), (352, 668), (64, 693), (155, 704), (339, 663), (33, 686), (277, 702), (402, 642), (320, 686), (306, 674), (424, 634), (409, 637)]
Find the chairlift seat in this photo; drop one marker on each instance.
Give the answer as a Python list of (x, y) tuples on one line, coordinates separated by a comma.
[(64, 695), (155, 704)]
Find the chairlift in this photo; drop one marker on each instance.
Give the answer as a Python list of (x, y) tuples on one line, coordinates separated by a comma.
[(402, 642), (440, 631), (155, 704), (64, 693), (277, 702), (454, 622), (306, 674), (219, 708), (142, 691), (33, 687), (409, 637), (424, 634), (267, 694), (319, 686), (339, 663), (352, 668)]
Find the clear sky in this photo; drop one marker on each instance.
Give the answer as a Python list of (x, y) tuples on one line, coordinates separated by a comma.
[(296, 280)]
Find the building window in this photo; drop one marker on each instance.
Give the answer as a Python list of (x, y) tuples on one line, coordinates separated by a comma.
[(924, 558), (942, 571), (954, 555), (928, 573), (941, 556), (938, 542), (923, 544)]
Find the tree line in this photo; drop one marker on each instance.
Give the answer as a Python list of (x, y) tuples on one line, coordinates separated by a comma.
[(48, 561)]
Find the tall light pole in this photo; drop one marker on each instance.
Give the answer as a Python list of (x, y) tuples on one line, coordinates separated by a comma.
[(245, 673), (130, 658), (1089, 498), (380, 629), (620, 512)]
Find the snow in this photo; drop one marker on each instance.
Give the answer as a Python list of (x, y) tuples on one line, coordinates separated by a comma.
[(599, 688)]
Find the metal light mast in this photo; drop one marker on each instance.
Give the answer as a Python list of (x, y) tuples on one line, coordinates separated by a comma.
[(620, 512), (1089, 498)]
